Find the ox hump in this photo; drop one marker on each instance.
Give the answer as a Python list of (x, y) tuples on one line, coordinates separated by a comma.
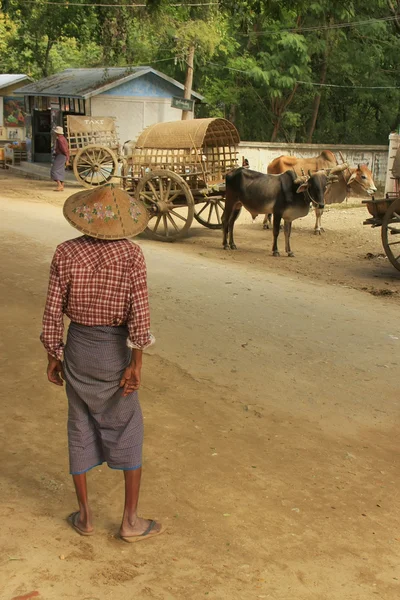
[(329, 156)]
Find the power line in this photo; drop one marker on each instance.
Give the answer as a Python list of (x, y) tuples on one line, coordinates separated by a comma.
[(274, 32), (300, 29), (352, 87), (328, 85), (67, 4)]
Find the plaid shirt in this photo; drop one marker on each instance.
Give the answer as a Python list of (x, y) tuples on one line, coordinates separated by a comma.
[(97, 282)]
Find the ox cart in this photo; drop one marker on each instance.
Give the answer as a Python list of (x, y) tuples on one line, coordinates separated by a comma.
[(94, 148), (178, 170), (385, 213)]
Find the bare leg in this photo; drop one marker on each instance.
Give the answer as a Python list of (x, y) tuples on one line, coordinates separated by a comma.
[(132, 525), (60, 186), (83, 520)]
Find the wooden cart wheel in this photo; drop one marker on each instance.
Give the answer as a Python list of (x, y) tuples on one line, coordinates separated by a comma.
[(209, 212), (95, 166), (170, 203), (391, 233)]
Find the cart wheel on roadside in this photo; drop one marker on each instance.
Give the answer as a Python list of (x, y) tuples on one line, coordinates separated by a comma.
[(170, 203), (209, 212), (391, 233), (95, 166)]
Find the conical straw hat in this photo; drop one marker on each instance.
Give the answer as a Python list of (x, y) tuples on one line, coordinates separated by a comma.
[(106, 213)]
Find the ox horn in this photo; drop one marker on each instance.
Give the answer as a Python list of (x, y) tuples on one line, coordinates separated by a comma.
[(302, 179), (341, 156), (338, 169)]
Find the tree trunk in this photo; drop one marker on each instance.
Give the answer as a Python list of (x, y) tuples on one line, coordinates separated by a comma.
[(277, 127), (45, 69), (279, 110), (232, 113), (189, 80), (395, 12), (317, 102)]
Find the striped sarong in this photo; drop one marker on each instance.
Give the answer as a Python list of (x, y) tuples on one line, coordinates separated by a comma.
[(102, 424), (57, 171)]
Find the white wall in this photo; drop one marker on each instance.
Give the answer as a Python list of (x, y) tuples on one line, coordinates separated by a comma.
[(394, 145), (260, 154), (134, 114)]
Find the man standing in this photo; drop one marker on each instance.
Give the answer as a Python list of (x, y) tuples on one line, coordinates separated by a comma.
[(99, 281)]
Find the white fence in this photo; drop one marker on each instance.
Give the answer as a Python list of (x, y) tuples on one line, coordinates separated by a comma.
[(260, 154)]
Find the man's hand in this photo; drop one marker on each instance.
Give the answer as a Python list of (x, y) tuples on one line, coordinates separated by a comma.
[(131, 379), (54, 371)]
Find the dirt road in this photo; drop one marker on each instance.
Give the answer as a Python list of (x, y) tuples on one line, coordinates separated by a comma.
[(271, 408)]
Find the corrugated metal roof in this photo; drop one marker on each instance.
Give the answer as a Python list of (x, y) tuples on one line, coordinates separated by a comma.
[(9, 79), (85, 83)]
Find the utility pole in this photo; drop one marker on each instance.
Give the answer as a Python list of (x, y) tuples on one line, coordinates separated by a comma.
[(189, 80)]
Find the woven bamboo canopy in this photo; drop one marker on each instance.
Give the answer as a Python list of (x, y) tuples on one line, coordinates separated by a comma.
[(194, 133)]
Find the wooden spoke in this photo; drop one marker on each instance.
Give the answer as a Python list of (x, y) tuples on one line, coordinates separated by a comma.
[(202, 210), (168, 190), (172, 221), (158, 190), (165, 225), (95, 165), (148, 197), (157, 223), (172, 212), (155, 193), (208, 212), (392, 216), (217, 209), (174, 196)]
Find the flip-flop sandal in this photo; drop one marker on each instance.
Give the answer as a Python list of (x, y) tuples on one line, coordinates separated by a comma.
[(146, 535), (71, 521)]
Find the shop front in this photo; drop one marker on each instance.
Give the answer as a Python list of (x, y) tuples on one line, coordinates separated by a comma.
[(44, 114)]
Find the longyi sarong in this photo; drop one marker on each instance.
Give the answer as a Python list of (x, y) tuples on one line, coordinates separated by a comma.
[(102, 424), (57, 171)]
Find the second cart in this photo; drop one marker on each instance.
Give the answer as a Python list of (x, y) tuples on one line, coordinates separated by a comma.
[(178, 170)]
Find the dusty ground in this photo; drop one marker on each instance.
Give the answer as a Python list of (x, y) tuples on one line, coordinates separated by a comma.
[(271, 408), (347, 254)]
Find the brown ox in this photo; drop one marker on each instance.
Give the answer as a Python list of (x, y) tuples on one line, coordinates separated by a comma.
[(358, 180)]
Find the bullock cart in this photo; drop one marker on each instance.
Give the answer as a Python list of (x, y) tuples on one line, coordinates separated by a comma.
[(178, 170), (94, 149), (385, 213)]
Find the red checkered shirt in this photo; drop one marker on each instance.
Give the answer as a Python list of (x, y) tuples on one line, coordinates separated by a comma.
[(97, 282)]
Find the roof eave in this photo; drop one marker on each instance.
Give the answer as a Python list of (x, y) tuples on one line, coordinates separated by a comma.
[(111, 85), (15, 81), (175, 83)]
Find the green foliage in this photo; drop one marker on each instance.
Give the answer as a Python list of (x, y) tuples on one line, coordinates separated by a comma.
[(255, 60)]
